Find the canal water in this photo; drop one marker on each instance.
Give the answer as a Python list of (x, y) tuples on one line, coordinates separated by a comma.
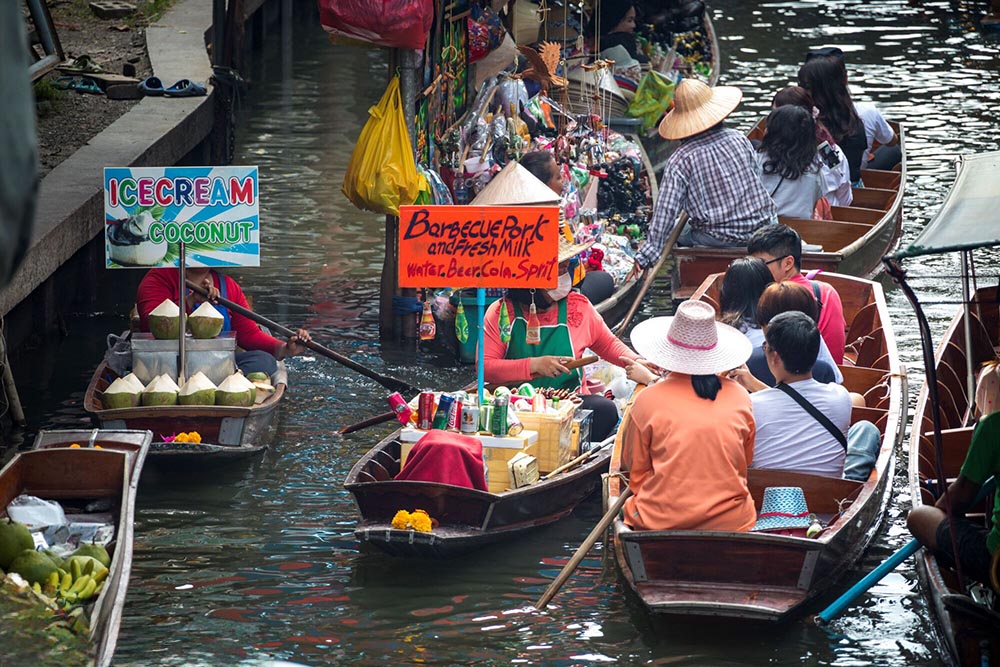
[(257, 561)]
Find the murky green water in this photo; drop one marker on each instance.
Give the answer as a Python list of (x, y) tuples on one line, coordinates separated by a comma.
[(258, 560)]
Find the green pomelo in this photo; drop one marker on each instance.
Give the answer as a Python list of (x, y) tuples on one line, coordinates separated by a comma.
[(165, 320), (14, 538), (94, 551), (205, 321), (198, 390), (259, 376), (121, 394), (54, 557), (235, 390), (33, 565)]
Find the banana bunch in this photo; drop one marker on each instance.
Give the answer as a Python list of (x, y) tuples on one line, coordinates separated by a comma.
[(83, 581)]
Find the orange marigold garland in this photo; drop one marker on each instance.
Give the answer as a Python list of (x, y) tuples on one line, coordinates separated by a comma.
[(417, 520)]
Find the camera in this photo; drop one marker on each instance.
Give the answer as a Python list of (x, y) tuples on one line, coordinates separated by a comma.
[(828, 154)]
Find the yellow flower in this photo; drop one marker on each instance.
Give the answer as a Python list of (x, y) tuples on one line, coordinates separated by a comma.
[(75, 445), (194, 437), (181, 437), (98, 447), (420, 521), (402, 520)]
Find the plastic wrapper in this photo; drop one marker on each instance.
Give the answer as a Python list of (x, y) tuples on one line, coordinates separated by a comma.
[(401, 24)]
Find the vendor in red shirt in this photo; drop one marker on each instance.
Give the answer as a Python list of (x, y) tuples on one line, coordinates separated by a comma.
[(261, 351), (568, 325), (780, 247)]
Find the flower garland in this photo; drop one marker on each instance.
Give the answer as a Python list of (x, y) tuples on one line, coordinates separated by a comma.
[(417, 520)]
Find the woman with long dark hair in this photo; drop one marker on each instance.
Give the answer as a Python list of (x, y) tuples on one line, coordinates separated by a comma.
[(744, 282), (787, 156)]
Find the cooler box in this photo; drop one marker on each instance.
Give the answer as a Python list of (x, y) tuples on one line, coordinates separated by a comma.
[(215, 357), (496, 453), (555, 435)]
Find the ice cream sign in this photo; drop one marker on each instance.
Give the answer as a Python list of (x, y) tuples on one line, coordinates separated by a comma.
[(149, 211)]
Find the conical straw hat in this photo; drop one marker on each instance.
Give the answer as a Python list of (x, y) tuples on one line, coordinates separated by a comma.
[(515, 186), (698, 107)]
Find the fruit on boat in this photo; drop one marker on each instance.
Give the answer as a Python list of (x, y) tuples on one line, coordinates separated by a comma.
[(259, 376), (133, 380), (120, 394), (165, 320), (94, 551), (235, 390), (264, 390), (205, 321), (14, 538), (33, 565), (161, 391), (198, 390)]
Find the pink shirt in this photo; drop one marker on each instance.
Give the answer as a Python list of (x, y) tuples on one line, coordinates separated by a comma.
[(832, 325), (586, 329)]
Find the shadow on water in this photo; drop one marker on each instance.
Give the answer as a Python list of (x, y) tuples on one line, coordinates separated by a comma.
[(258, 560)]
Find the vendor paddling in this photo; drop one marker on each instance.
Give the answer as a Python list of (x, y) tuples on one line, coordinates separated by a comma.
[(261, 351), (568, 325)]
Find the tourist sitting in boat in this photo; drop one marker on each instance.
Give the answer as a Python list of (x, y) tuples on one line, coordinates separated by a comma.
[(815, 436), (854, 126), (976, 544), (780, 247), (567, 324), (615, 20), (988, 389), (713, 176), (688, 439), (596, 285), (787, 157), (744, 282), (833, 166), (260, 351)]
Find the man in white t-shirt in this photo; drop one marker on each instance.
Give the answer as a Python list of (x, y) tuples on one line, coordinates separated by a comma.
[(790, 436)]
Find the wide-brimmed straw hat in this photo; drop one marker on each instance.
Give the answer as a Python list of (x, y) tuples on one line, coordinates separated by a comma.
[(569, 250), (698, 107), (515, 186), (783, 507), (691, 341)]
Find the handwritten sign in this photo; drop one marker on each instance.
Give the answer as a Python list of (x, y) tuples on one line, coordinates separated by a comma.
[(478, 246), (148, 211)]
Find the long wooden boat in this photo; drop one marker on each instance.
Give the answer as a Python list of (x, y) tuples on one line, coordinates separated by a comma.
[(227, 432), (852, 243), (766, 576), (74, 477), (964, 624), (468, 518)]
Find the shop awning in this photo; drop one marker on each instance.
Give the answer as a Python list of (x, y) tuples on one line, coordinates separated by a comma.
[(970, 215)]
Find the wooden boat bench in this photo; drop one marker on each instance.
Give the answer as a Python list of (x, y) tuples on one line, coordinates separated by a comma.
[(876, 198), (824, 495), (832, 235), (865, 216)]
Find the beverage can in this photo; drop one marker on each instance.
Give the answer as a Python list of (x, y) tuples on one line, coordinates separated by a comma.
[(443, 409), (486, 418), (400, 407), (455, 413), (425, 410), (470, 418), (514, 424), (498, 424)]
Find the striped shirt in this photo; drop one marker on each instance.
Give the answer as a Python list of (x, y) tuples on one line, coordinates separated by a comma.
[(714, 176)]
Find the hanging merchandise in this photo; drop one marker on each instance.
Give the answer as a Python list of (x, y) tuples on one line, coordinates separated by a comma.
[(401, 24), (504, 323), (382, 173), (532, 332), (428, 329), (652, 99), (486, 32), (461, 324)]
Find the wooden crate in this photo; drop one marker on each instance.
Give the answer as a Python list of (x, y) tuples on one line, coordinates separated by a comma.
[(555, 435)]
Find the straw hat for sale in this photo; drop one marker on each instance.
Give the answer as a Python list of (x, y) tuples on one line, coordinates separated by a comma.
[(698, 107), (691, 341), (515, 186), (569, 250)]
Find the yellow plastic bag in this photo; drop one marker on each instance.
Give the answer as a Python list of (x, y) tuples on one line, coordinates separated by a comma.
[(382, 174), (652, 99)]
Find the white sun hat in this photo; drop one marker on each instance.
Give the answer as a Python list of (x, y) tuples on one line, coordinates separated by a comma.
[(691, 341), (698, 107)]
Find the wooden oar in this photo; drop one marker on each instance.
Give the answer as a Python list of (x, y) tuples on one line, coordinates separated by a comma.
[(581, 553), (651, 275), (386, 381)]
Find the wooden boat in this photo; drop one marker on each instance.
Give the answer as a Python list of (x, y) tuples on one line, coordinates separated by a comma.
[(227, 432), (75, 476), (767, 576), (468, 518), (852, 243)]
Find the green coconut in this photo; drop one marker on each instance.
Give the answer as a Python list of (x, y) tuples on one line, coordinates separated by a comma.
[(94, 551), (14, 538), (205, 321), (33, 565), (121, 394), (259, 376), (236, 390), (161, 391), (165, 320), (134, 381), (264, 390), (198, 390)]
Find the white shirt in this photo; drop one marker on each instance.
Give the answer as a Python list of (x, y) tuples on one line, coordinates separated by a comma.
[(876, 127), (836, 180), (794, 198), (789, 438), (756, 336)]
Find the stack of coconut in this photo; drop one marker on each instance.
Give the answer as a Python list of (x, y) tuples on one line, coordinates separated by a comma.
[(204, 322), (236, 390)]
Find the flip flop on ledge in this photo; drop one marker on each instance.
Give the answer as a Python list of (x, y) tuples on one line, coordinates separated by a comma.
[(152, 87), (185, 88)]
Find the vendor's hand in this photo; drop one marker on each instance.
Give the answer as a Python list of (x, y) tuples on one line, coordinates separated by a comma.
[(194, 299), (637, 371), (746, 379), (549, 366), (634, 273), (295, 345)]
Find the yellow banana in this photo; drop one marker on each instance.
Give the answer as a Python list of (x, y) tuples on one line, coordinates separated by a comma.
[(88, 590), (101, 575), (80, 583), (75, 569), (89, 567), (37, 587), (53, 579), (66, 584)]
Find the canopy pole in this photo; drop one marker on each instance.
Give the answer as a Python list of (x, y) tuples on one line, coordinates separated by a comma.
[(481, 336), (182, 306), (970, 377)]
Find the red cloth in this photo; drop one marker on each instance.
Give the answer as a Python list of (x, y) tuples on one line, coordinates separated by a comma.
[(160, 284), (447, 458)]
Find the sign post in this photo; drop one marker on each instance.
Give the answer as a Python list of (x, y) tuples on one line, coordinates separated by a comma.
[(479, 246)]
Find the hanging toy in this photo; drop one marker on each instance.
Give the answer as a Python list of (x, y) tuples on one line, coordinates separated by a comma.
[(461, 324), (428, 328), (532, 334), (504, 323)]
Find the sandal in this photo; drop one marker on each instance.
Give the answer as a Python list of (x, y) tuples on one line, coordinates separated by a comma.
[(82, 65), (151, 86), (88, 86), (185, 88)]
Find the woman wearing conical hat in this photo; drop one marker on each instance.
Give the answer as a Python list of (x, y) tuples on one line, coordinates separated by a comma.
[(713, 175)]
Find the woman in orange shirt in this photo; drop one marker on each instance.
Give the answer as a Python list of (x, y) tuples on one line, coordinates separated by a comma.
[(688, 439)]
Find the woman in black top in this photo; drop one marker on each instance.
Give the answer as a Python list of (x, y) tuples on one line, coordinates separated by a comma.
[(826, 81)]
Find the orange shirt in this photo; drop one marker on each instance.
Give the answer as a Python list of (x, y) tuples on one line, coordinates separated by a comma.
[(688, 457)]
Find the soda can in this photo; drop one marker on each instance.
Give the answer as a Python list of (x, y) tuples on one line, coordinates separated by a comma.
[(470, 418), (455, 413), (486, 418), (498, 424), (425, 410), (441, 416), (514, 424), (538, 403), (400, 407)]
